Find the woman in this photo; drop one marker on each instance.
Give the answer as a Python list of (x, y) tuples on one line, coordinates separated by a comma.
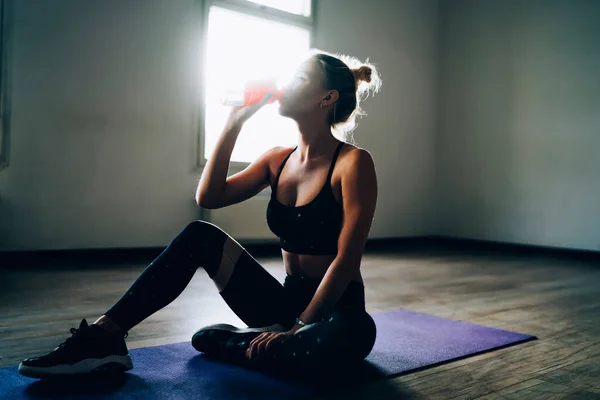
[(322, 205)]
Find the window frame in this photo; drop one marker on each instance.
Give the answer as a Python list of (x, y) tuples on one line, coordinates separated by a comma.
[(5, 42), (253, 9)]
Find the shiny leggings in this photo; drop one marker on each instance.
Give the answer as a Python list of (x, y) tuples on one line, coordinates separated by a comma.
[(345, 334)]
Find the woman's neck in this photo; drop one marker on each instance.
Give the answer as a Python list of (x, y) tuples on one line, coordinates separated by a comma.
[(315, 140)]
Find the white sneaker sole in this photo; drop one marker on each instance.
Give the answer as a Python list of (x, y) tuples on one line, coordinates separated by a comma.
[(110, 363)]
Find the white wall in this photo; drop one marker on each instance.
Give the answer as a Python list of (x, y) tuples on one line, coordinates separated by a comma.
[(519, 135), (104, 120), (103, 124)]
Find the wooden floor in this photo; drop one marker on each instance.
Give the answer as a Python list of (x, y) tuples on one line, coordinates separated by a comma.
[(554, 297)]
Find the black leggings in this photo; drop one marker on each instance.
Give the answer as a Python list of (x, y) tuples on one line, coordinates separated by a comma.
[(346, 333)]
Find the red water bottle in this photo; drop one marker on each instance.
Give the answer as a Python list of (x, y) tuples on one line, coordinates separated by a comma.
[(253, 92)]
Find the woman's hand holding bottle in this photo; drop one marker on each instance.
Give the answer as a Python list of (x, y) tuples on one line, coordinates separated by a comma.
[(240, 114), (247, 102)]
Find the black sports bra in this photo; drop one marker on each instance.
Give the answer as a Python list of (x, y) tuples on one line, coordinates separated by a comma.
[(313, 228)]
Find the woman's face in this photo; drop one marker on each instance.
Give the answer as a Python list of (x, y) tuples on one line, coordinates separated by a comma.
[(303, 95)]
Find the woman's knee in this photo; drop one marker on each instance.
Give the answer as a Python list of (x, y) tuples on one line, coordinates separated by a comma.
[(358, 330), (201, 229), (366, 333), (345, 336), (200, 243), (201, 235)]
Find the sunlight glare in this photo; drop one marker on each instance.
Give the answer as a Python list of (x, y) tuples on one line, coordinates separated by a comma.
[(242, 48)]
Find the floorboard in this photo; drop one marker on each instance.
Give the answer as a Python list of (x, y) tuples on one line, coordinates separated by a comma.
[(540, 293)]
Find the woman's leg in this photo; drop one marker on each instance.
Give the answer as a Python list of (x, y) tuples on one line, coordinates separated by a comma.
[(341, 340), (199, 244), (344, 337), (248, 289), (259, 300)]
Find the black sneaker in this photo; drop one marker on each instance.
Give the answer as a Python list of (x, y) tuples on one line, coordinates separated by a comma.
[(89, 349), (224, 341)]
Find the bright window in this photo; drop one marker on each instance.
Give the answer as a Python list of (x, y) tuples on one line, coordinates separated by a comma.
[(243, 47), (300, 7)]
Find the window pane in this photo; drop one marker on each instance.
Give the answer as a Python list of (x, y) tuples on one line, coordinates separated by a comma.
[(300, 7), (242, 48)]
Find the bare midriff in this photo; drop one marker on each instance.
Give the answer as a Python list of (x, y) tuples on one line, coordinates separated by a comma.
[(311, 266)]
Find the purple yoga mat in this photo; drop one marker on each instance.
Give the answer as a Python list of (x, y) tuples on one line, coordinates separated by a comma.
[(406, 341)]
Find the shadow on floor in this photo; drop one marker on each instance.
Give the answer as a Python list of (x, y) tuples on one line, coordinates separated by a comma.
[(107, 384), (347, 384)]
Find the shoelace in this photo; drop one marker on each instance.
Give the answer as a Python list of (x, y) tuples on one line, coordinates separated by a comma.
[(74, 335)]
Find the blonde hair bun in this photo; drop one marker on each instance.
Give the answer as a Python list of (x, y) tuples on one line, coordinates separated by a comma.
[(362, 74)]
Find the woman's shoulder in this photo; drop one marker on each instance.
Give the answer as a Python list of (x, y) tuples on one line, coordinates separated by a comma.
[(278, 153), (353, 157), (275, 157)]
